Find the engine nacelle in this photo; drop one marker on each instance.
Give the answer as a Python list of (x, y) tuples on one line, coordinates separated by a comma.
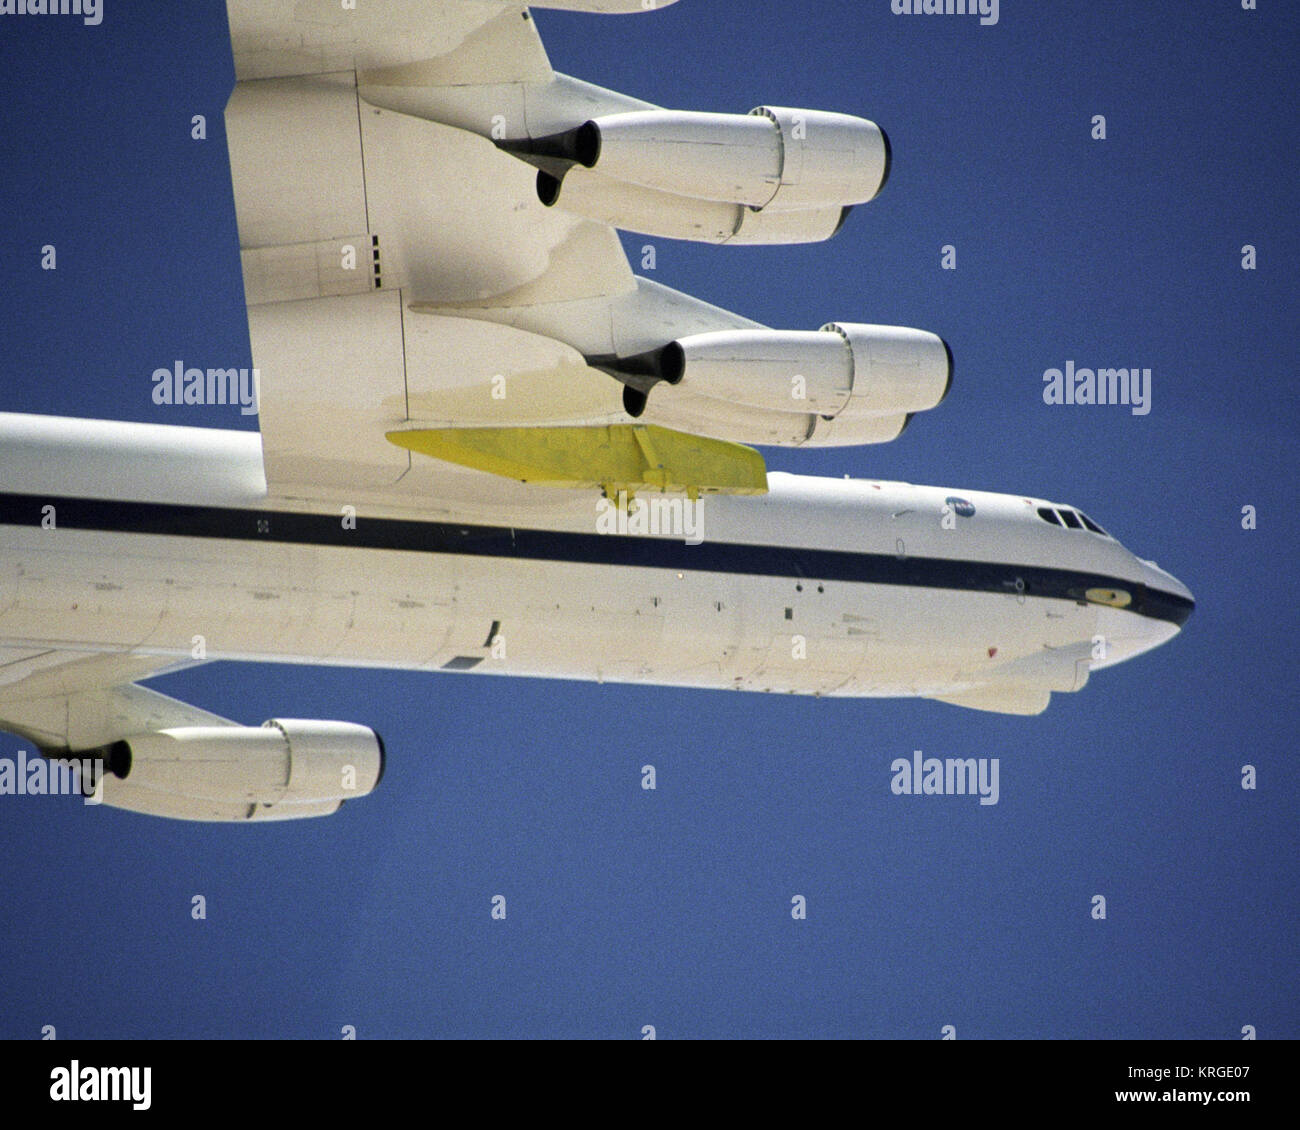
[(852, 431), (773, 157), (895, 369), (841, 372), (647, 210), (772, 370), (826, 159), (289, 767), (743, 424)]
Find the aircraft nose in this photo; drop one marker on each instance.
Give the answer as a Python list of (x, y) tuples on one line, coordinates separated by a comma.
[(1167, 598), (1164, 607)]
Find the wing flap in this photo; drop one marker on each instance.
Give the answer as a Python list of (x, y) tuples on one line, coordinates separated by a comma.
[(626, 458)]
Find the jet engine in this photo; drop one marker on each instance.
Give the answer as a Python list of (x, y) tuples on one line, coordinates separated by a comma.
[(652, 212), (775, 175), (844, 383), (283, 769)]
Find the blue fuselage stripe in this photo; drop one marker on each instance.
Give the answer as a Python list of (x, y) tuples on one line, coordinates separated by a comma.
[(420, 536)]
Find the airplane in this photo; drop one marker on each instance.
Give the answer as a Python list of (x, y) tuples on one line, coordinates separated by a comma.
[(486, 446)]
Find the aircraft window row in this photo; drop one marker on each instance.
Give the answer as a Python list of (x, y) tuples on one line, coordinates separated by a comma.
[(1071, 519)]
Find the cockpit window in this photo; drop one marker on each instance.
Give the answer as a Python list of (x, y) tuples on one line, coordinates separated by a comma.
[(1070, 519)]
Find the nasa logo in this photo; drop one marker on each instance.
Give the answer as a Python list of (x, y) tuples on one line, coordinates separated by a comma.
[(960, 506)]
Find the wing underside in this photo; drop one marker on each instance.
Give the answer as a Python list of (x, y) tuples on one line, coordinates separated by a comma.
[(71, 701), (407, 269)]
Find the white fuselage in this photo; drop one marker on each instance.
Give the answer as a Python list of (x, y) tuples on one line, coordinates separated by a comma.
[(164, 541)]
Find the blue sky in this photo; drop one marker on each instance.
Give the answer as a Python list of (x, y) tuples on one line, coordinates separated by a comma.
[(672, 908)]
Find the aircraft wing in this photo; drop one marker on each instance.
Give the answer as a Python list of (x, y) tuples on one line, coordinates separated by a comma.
[(432, 264), (70, 700), (286, 38), (134, 748), (494, 40)]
